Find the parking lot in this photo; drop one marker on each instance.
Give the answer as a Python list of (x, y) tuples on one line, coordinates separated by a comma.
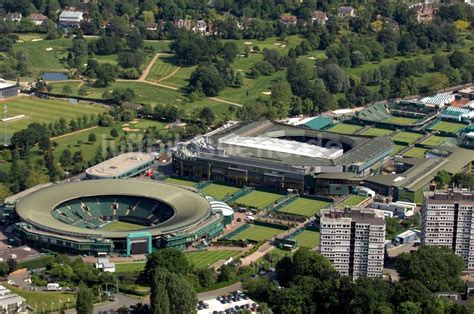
[(231, 303)]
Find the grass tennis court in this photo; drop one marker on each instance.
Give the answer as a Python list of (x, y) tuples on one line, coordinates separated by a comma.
[(415, 152), (218, 191), (181, 182), (377, 132), (407, 137), (308, 238), (352, 201), (396, 149), (121, 225), (45, 111), (203, 259), (304, 207), (343, 128), (257, 233), (258, 199), (435, 140), (448, 127), (401, 120), (129, 267)]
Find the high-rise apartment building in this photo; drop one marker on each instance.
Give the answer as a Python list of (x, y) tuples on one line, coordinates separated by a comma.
[(353, 241), (447, 221)]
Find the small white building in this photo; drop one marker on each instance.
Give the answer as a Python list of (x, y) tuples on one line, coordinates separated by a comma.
[(8, 89), (37, 18), (70, 19), (105, 265), (11, 302), (201, 26)]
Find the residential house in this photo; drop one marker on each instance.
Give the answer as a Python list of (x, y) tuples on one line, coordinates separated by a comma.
[(186, 24), (70, 19), (201, 26), (319, 17), (345, 11), (288, 19), (14, 17), (425, 13), (245, 23), (37, 18), (151, 26)]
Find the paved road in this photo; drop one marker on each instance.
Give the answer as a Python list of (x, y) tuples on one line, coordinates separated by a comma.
[(222, 291), (121, 301)]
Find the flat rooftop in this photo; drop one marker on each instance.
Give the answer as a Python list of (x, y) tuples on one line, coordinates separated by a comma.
[(359, 215), (450, 196), (283, 146), (4, 85), (120, 164)]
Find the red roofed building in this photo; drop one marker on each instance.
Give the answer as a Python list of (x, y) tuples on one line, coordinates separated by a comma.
[(289, 19), (37, 18), (319, 17)]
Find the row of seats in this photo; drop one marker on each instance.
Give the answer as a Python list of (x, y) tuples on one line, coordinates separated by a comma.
[(93, 212)]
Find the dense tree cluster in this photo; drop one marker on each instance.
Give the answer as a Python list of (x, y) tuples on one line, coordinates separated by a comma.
[(309, 284)]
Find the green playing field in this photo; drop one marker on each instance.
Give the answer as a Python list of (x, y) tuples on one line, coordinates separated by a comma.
[(407, 137), (121, 225), (352, 201), (401, 120), (218, 191), (258, 199), (181, 182), (304, 207), (308, 238), (449, 127), (377, 132), (343, 128), (257, 233)]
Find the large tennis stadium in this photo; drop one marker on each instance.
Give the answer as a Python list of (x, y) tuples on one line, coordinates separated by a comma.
[(126, 216)]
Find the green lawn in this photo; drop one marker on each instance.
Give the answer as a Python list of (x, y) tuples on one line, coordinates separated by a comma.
[(416, 152), (401, 120), (397, 148), (204, 259), (199, 259), (377, 132), (163, 67), (181, 182), (129, 267), (44, 111), (304, 207), (121, 226), (45, 300), (343, 128), (435, 140), (45, 55), (257, 233), (407, 137), (449, 127), (352, 201), (308, 238), (258, 199), (218, 191), (150, 94)]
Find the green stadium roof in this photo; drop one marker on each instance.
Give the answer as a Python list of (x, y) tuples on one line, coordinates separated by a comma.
[(318, 123), (36, 208)]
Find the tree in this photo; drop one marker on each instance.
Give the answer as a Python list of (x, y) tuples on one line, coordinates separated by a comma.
[(92, 137), (437, 82), (66, 158), (442, 179), (207, 115), (181, 294), (114, 132), (84, 300), (230, 51), (206, 277), (35, 177), (334, 78), (159, 300), (106, 74), (281, 92), (12, 265), (206, 79), (172, 260), (4, 269), (67, 90), (438, 268), (134, 40)]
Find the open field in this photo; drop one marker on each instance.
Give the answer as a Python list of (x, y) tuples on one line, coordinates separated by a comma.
[(204, 259), (199, 259), (308, 238), (44, 301), (397, 148), (448, 127), (416, 152), (40, 59), (257, 233), (304, 207), (181, 182), (163, 67), (218, 191), (400, 120), (258, 199), (377, 132), (343, 128), (435, 140), (352, 201), (407, 137), (149, 94), (44, 111), (129, 267), (121, 226)]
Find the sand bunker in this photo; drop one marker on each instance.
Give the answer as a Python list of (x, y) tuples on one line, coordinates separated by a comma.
[(277, 44), (134, 121), (282, 46), (20, 41), (127, 129), (125, 124), (311, 58), (37, 39), (267, 93), (49, 49), (248, 43)]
